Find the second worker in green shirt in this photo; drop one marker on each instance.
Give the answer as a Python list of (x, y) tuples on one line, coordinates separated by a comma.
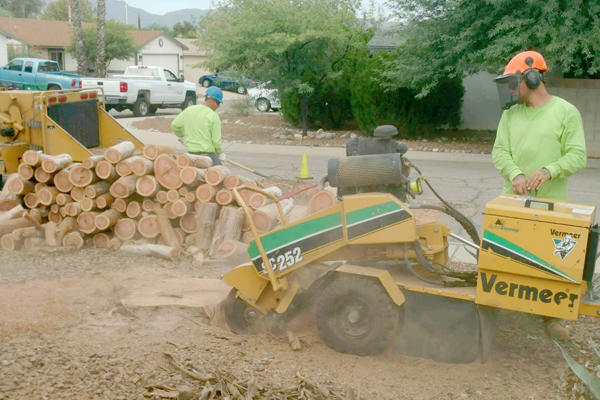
[(200, 126)]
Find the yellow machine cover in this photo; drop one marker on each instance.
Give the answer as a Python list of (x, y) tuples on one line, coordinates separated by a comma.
[(532, 255)]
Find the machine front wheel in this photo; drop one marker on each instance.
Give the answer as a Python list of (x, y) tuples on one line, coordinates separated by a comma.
[(355, 315), (240, 316)]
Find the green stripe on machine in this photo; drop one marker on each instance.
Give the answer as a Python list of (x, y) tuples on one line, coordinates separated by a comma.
[(295, 233), (363, 214), (506, 248)]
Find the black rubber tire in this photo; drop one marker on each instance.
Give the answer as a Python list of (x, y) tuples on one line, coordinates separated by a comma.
[(141, 108), (374, 325), (240, 316), (205, 83), (262, 104), (54, 87), (189, 101), (240, 90)]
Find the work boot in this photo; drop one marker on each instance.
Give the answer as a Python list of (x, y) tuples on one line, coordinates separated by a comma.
[(557, 329)]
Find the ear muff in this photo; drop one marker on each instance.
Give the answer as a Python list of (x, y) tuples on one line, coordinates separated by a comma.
[(532, 76)]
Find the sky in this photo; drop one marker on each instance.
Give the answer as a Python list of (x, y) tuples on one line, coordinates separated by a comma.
[(161, 7)]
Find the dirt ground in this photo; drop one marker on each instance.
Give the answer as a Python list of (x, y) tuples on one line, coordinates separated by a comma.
[(269, 128), (65, 333)]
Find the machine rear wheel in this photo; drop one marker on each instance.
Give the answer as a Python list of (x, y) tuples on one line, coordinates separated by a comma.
[(240, 316), (355, 315)]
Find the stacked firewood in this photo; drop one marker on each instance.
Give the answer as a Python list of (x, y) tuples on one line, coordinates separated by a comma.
[(159, 202)]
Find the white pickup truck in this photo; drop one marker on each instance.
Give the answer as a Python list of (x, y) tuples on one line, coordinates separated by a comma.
[(144, 89)]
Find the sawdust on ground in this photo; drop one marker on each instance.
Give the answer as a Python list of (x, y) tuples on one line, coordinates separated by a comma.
[(64, 333)]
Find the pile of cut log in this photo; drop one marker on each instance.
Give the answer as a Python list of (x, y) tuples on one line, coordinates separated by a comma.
[(160, 202)]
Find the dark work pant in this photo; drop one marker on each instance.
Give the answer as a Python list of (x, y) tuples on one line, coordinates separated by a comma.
[(213, 156)]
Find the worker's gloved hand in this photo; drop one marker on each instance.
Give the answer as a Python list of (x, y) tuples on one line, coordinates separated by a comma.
[(222, 157), (538, 178), (519, 185)]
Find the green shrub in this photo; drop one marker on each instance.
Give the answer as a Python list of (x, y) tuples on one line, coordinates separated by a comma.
[(328, 106), (373, 106)]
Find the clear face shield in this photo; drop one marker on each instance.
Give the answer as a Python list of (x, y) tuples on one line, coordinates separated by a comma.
[(508, 89)]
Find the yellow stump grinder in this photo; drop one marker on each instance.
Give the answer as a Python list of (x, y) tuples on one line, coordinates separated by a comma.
[(374, 277)]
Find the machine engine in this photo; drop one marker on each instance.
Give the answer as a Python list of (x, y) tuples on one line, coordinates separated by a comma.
[(374, 164)]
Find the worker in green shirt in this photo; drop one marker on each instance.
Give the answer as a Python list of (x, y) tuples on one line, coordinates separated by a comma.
[(200, 126), (539, 141)]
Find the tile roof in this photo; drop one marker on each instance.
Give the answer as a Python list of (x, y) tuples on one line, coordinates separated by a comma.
[(37, 32), (44, 33)]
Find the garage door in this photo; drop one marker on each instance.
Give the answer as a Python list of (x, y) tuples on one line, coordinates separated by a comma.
[(169, 61)]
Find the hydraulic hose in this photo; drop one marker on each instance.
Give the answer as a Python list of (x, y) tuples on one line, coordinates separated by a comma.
[(463, 220), (466, 279), (458, 216)]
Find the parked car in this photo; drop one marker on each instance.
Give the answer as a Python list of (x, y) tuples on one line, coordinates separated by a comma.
[(227, 81), (36, 74), (265, 97), (143, 89)]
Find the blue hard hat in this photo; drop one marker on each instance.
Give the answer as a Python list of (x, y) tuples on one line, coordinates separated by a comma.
[(215, 93)]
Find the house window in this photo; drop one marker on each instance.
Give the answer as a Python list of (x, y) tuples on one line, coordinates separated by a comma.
[(58, 56)]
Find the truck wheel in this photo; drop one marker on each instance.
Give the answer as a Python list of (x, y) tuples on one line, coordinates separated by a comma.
[(241, 90), (189, 101), (205, 83), (141, 107), (355, 315), (263, 105), (240, 316), (53, 87)]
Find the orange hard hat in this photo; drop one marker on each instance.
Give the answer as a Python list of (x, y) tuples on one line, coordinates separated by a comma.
[(524, 61)]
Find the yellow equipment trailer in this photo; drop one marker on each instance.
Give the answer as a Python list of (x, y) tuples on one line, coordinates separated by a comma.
[(373, 276), (57, 121)]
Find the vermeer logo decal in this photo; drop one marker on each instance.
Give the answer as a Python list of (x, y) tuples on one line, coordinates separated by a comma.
[(563, 247)]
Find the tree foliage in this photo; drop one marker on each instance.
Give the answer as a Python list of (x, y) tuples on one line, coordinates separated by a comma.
[(302, 44), (450, 38), (22, 8), (185, 29), (59, 10), (119, 45)]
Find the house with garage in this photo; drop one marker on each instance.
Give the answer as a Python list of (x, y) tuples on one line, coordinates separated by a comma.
[(50, 39), (193, 59), (481, 109)]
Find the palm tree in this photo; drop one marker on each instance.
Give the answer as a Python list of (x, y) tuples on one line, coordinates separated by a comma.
[(100, 44), (79, 47)]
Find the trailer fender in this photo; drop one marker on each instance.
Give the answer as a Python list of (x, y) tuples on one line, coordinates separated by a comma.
[(385, 278)]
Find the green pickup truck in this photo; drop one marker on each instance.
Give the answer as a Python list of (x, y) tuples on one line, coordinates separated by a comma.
[(37, 74)]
